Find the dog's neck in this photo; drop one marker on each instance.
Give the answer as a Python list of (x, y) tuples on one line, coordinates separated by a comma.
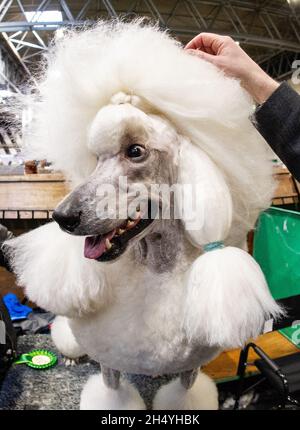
[(161, 249)]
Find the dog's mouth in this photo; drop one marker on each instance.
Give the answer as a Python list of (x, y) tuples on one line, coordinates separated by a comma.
[(109, 246)]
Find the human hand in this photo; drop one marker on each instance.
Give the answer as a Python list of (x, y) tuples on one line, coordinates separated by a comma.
[(223, 52)]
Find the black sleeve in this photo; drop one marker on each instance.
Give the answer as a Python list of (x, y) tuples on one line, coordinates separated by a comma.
[(278, 121)]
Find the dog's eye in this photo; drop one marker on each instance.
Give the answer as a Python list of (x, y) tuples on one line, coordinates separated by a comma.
[(135, 151)]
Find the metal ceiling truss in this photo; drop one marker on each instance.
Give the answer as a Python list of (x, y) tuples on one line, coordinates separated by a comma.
[(238, 19)]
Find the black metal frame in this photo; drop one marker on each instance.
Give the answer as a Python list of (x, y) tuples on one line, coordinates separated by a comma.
[(243, 363)]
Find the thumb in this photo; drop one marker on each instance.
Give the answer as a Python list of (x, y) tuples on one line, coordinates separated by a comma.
[(204, 55)]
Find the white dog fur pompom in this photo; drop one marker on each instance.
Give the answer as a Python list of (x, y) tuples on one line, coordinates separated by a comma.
[(227, 298)]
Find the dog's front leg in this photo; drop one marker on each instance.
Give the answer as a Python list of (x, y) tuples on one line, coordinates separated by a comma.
[(64, 340)]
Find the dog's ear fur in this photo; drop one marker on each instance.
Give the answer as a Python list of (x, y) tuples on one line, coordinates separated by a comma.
[(206, 205), (227, 299), (51, 267)]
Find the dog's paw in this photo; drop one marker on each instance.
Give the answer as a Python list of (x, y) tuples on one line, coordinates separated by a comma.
[(70, 362)]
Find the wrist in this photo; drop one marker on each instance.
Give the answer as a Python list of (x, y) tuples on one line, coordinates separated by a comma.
[(260, 86)]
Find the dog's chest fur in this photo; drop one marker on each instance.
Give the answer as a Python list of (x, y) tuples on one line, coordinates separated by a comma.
[(140, 332)]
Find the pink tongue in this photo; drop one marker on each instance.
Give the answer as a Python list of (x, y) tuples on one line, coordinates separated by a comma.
[(94, 246)]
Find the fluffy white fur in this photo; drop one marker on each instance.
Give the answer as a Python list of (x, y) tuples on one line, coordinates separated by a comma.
[(50, 265), (228, 299), (123, 314), (64, 339), (97, 396), (202, 396), (211, 201)]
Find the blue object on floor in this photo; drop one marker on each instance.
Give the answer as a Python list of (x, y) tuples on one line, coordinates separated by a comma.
[(16, 310)]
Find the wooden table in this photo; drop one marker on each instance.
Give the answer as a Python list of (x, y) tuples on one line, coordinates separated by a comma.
[(31, 196)]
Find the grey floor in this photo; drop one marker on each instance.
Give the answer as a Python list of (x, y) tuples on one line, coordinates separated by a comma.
[(60, 386)]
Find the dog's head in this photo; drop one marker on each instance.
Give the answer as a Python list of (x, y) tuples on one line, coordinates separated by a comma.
[(136, 160), (128, 135)]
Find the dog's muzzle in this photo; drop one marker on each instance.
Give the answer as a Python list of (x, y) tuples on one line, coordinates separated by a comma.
[(67, 221)]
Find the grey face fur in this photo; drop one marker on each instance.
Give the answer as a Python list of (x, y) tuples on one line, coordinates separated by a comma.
[(112, 143)]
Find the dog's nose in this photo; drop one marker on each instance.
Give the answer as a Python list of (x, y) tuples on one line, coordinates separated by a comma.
[(67, 221)]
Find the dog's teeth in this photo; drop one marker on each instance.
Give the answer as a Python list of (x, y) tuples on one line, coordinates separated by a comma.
[(121, 231), (130, 224), (108, 245)]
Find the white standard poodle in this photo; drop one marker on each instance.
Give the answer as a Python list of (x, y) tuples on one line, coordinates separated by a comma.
[(122, 107)]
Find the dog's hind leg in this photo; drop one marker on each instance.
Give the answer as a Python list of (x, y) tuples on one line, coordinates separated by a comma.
[(192, 390), (65, 341), (108, 391), (188, 378)]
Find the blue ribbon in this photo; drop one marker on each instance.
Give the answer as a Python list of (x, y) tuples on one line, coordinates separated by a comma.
[(213, 245)]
